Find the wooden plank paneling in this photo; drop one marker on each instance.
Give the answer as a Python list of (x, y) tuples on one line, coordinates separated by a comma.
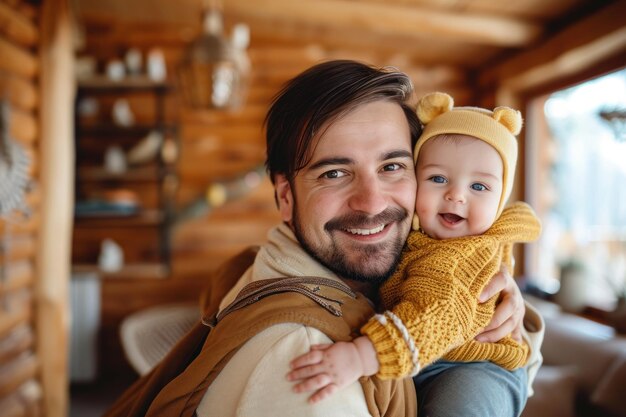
[(17, 60), (251, 113), (18, 311), (232, 133), (17, 27), (24, 226), (25, 401), (19, 91), (18, 275), (17, 372), (21, 248), (18, 365), (14, 343)]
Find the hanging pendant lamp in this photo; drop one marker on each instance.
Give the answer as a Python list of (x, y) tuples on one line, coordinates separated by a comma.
[(214, 71)]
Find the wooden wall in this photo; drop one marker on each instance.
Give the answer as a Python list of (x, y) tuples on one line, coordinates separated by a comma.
[(20, 383)]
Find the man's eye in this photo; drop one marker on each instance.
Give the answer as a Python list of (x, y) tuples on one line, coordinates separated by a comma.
[(332, 174), (392, 167), (438, 179), (479, 187)]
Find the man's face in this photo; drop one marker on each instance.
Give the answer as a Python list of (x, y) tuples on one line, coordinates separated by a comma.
[(459, 187), (351, 206)]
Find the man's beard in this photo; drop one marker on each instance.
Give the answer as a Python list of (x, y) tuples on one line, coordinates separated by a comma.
[(374, 263)]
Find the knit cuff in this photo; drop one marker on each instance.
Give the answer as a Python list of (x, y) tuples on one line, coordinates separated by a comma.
[(506, 353), (394, 355)]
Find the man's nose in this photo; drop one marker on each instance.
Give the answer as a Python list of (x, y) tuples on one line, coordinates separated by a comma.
[(456, 195), (368, 196)]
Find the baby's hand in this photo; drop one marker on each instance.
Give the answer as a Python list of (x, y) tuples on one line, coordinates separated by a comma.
[(328, 368)]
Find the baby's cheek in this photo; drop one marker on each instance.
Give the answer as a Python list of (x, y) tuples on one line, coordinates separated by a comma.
[(421, 209)]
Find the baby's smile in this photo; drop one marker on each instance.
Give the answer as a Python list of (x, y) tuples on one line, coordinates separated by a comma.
[(451, 218)]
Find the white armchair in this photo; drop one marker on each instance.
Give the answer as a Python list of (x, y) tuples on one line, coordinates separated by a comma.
[(148, 335)]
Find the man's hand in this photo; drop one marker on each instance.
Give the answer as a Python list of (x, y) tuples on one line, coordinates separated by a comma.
[(327, 368), (510, 310)]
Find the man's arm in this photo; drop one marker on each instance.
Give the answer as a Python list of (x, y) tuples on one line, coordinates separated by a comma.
[(254, 383)]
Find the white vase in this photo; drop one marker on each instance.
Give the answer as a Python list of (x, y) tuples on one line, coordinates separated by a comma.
[(572, 295)]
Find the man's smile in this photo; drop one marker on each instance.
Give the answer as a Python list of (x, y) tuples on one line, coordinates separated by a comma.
[(366, 232)]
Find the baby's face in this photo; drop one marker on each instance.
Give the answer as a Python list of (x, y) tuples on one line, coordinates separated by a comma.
[(459, 184)]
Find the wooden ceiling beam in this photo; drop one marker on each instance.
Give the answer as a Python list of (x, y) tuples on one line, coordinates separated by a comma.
[(356, 45), (531, 9), (576, 48), (388, 19), (313, 41)]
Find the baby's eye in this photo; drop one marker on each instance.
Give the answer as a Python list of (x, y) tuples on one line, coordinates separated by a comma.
[(478, 187), (332, 174), (438, 179)]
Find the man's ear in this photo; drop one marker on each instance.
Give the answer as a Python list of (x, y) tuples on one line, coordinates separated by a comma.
[(284, 197)]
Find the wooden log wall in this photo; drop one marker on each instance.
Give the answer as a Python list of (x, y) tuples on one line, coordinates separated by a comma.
[(20, 379)]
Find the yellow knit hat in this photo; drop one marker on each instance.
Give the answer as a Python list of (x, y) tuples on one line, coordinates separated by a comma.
[(497, 128)]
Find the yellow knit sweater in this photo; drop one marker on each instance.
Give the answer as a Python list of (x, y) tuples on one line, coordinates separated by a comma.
[(432, 298)]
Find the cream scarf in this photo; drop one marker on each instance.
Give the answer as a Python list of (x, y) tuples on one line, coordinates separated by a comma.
[(281, 256)]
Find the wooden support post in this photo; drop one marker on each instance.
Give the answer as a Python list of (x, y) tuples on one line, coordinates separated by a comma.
[(57, 176)]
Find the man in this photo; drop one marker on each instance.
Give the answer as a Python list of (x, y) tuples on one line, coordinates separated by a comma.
[(339, 152)]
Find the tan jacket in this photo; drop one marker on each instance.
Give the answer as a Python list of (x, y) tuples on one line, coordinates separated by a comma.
[(318, 303)]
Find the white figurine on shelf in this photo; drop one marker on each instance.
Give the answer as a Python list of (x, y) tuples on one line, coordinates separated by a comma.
[(115, 70), (122, 113), (146, 149), (111, 257), (155, 64), (115, 160), (133, 61)]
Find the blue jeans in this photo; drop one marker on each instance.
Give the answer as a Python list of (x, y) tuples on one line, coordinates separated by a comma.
[(470, 389)]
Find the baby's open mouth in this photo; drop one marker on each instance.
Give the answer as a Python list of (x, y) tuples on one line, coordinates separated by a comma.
[(451, 217)]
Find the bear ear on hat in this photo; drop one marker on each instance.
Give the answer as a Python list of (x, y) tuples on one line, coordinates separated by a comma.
[(509, 118), (432, 105), (415, 224)]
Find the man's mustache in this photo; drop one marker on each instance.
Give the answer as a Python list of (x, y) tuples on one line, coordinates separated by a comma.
[(363, 221)]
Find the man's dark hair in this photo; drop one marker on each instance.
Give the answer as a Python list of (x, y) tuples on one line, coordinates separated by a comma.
[(319, 95)]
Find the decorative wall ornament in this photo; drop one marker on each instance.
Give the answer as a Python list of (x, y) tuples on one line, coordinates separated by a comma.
[(219, 193), (14, 182), (14, 164)]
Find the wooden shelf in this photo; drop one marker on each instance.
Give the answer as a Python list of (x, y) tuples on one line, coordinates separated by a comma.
[(139, 174), (134, 271), (103, 84), (109, 129), (142, 227), (142, 218)]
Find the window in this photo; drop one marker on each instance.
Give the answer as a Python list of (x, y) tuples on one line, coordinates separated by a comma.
[(577, 184)]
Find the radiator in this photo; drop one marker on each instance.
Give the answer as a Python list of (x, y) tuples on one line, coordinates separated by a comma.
[(84, 326)]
